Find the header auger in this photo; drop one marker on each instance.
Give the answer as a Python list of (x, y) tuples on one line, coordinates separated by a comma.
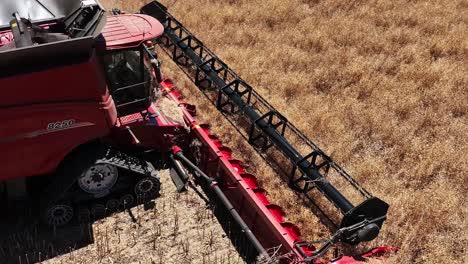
[(99, 93)]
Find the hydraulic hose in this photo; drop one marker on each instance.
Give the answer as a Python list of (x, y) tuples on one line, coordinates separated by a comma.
[(219, 193)]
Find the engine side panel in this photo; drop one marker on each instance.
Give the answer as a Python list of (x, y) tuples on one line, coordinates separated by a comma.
[(35, 139), (46, 114), (56, 83)]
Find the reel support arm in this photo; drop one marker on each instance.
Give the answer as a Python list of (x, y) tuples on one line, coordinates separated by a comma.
[(177, 154)]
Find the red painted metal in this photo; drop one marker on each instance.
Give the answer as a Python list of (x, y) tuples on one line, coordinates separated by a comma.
[(265, 219), (151, 129), (376, 253), (75, 94), (5, 38), (129, 31)]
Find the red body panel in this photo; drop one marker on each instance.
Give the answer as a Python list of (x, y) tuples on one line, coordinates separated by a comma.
[(79, 82), (74, 98), (151, 131), (376, 253), (5, 38), (30, 148)]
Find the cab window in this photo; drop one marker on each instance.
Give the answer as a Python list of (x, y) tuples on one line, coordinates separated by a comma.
[(129, 80)]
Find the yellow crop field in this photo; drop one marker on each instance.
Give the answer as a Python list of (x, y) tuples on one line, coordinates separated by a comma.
[(381, 86)]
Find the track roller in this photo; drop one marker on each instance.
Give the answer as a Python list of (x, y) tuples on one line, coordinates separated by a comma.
[(58, 215), (147, 187), (127, 201)]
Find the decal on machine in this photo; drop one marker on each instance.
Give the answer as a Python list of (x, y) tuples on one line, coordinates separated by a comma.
[(51, 128), (60, 124)]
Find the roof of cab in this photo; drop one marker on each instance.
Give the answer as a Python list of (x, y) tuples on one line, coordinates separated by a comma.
[(130, 30)]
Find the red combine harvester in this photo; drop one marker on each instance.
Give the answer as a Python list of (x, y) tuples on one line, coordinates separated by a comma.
[(84, 135)]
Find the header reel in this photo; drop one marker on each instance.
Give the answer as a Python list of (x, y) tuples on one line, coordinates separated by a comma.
[(269, 131)]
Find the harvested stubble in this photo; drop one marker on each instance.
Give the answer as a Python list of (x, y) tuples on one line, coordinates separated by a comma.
[(170, 233), (382, 86)]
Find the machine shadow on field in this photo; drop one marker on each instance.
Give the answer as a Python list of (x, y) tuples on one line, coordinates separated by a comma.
[(39, 243), (24, 239)]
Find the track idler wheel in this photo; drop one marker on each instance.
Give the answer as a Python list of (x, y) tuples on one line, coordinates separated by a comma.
[(147, 188), (98, 179), (58, 215)]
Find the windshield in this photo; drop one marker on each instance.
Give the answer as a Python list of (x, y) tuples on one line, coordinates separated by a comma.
[(123, 68), (129, 80)]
